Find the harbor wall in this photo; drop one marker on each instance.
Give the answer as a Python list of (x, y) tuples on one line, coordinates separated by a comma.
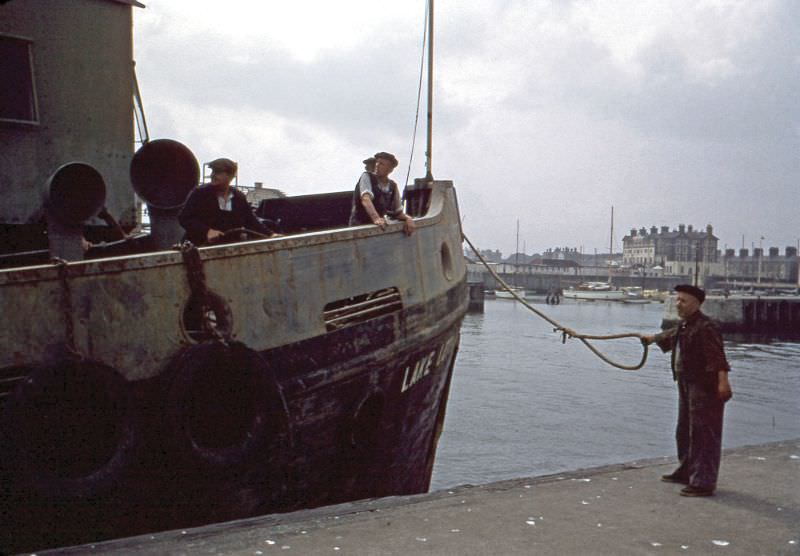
[(545, 280), (778, 314), (476, 297)]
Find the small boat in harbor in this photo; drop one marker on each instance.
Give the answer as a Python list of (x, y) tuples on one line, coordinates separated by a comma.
[(502, 293), (656, 295), (634, 295), (598, 291), (594, 291), (146, 385)]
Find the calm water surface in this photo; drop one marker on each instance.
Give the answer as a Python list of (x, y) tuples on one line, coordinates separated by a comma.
[(523, 404)]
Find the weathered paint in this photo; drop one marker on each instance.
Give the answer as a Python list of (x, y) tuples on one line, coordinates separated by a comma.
[(276, 290), (83, 67), (126, 313)]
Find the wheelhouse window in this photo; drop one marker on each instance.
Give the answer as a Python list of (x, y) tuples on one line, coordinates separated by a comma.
[(18, 90)]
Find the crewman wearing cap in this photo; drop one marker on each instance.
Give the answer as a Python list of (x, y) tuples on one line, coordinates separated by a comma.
[(701, 370), (376, 196), (215, 208)]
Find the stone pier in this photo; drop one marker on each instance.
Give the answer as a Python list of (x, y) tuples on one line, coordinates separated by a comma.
[(751, 314)]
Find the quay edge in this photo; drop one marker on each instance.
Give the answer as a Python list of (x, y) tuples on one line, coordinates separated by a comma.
[(746, 314), (613, 509)]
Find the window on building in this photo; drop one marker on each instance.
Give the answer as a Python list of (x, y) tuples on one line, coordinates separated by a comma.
[(18, 90)]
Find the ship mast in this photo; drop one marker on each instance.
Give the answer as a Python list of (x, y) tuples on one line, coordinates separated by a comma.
[(611, 245), (429, 147)]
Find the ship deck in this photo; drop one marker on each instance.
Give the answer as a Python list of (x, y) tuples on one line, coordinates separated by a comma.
[(616, 509)]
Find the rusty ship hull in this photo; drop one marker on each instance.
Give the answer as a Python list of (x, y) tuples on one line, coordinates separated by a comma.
[(324, 378), (148, 384)]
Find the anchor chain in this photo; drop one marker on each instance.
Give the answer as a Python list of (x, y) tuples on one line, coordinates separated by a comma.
[(195, 274), (66, 305), (565, 331)]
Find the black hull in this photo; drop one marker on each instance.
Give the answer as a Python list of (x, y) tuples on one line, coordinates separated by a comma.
[(351, 414)]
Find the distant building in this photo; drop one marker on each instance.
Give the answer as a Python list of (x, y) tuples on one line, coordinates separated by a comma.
[(519, 258), (557, 263), (492, 256), (678, 251), (563, 254), (576, 255), (769, 267), (258, 193)]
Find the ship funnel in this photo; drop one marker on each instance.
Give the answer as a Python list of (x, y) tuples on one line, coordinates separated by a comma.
[(76, 192), (163, 173)]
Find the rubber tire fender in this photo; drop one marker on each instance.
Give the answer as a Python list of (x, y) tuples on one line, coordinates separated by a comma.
[(69, 430), (218, 389)]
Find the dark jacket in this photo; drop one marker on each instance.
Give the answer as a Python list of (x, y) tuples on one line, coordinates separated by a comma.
[(383, 201), (700, 354), (201, 212)]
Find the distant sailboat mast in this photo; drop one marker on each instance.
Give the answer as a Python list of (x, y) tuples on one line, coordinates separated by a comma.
[(611, 245)]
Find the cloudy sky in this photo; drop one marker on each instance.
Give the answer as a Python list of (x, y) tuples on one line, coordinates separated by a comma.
[(547, 112)]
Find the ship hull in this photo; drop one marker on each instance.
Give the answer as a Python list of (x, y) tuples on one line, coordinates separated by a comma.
[(327, 453), (325, 379)]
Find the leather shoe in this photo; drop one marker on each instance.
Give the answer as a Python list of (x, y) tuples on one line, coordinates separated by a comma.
[(696, 491), (674, 478)]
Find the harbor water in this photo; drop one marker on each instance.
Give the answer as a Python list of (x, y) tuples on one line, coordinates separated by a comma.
[(524, 404)]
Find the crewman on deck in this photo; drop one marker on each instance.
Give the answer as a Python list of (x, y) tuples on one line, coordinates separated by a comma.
[(376, 196), (215, 208), (701, 370)]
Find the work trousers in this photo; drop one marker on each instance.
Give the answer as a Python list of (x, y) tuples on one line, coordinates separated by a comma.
[(699, 433)]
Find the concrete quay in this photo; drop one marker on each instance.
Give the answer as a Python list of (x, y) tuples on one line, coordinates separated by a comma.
[(617, 509), (747, 314)]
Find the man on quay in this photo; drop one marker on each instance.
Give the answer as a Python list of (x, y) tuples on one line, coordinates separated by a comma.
[(215, 208), (376, 196), (701, 370)]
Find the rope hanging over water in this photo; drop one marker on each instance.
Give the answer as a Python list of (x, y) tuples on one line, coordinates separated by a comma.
[(565, 331)]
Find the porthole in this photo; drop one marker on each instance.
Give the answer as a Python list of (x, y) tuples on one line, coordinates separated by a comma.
[(447, 261)]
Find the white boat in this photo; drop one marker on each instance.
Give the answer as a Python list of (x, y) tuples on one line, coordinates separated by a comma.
[(598, 291), (594, 291), (503, 293), (634, 295), (656, 295)]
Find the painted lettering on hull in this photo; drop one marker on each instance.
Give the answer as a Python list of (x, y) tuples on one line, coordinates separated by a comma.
[(423, 366)]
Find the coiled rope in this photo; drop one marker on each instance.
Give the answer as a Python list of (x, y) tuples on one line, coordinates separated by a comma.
[(565, 331)]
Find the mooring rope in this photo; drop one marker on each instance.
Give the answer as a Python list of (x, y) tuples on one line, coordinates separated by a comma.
[(565, 331)]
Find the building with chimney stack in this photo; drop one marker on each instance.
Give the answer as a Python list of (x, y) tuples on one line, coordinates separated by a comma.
[(678, 251), (686, 251), (769, 267)]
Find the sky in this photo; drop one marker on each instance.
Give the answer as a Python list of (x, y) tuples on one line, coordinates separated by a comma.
[(546, 112)]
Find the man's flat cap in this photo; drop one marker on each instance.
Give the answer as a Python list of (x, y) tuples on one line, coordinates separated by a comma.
[(224, 165), (386, 156), (692, 290)]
